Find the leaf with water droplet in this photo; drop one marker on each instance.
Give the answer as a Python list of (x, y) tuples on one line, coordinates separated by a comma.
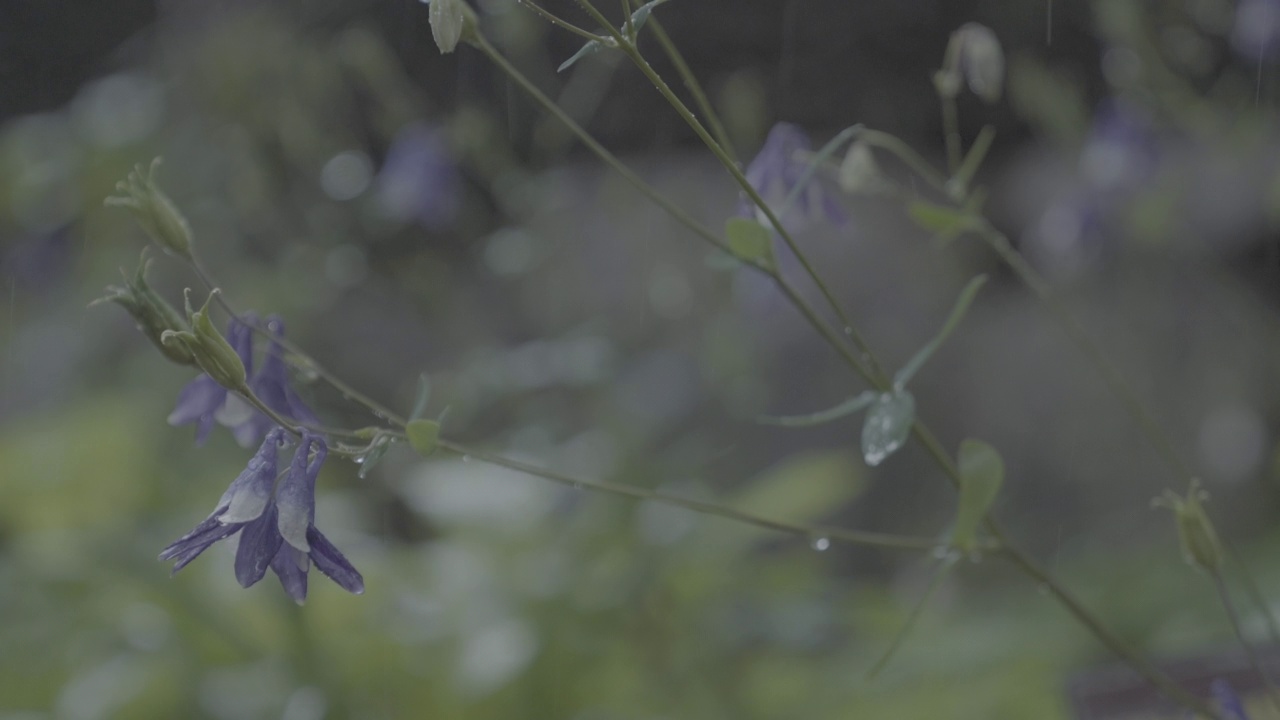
[(913, 365), (370, 457), (821, 544), (424, 436), (887, 425), (981, 475), (848, 407)]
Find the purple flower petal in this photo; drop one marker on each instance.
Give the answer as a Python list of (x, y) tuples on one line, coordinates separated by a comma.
[(296, 496), (291, 565), (197, 402), (259, 542), (333, 564), (189, 546), (250, 493), (1227, 699)]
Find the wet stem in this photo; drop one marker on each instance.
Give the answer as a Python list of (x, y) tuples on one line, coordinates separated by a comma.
[(870, 372)]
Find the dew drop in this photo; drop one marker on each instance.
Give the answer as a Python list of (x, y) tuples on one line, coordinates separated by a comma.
[(848, 330), (820, 544), (359, 459), (466, 458)]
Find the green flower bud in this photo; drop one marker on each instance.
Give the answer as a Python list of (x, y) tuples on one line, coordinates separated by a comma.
[(1199, 540), (154, 211), (152, 314), (450, 21), (859, 172), (210, 349)]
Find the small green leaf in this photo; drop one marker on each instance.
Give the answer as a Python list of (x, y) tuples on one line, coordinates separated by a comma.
[(913, 365), (749, 241), (591, 47), (945, 221), (424, 435), (370, 457), (848, 407), (981, 475), (887, 425)]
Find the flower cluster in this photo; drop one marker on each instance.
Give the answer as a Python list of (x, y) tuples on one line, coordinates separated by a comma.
[(275, 521), (204, 401)]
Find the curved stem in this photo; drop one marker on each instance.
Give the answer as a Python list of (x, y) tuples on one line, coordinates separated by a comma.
[(560, 22), (338, 384), (811, 532)]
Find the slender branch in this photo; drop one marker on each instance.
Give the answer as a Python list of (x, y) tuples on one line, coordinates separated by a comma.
[(951, 132), (560, 22), (338, 384), (1111, 375), (692, 85), (810, 532)]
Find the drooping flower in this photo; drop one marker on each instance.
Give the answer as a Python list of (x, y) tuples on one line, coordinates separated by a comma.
[(276, 523), (203, 401), (303, 543), (777, 170)]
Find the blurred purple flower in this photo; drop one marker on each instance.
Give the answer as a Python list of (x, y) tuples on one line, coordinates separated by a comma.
[(419, 179), (777, 169), (203, 401), (1227, 699), (1256, 33), (277, 530)]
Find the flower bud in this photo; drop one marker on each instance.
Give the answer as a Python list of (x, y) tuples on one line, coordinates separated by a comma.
[(974, 55), (859, 172), (450, 20), (211, 351), (1200, 545), (152, 314), (154, 211)]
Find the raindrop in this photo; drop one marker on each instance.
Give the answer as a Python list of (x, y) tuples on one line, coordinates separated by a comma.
[(359, 459), (848, 330), (820, 544)]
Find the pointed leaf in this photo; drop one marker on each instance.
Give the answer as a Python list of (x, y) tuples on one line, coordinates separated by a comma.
[(887, 425), (913, 365), (848, 407), (750, 241), (424, 435), (593, 46), (981, 475), (424, 394)]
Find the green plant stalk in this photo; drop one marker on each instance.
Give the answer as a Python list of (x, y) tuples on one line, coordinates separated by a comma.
[(1229, 607), (703, 134), (951, 132), (692, 85), (810, 532), (1111, 375), (1020, 559), (560, 22)]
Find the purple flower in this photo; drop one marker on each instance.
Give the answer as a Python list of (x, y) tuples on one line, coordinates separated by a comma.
[(271, 386), (776, 171), (277, 529), (203, 401), (419, 179), (1227, 699)]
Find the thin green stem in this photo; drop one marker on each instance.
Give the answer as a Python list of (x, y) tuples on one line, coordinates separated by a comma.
[(951, 133), (560, 22), (298, 354), (904, 152), (732, 167), (692, 85), (1111, 375), (1252, 590), (814, 533), (1229, 607)]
